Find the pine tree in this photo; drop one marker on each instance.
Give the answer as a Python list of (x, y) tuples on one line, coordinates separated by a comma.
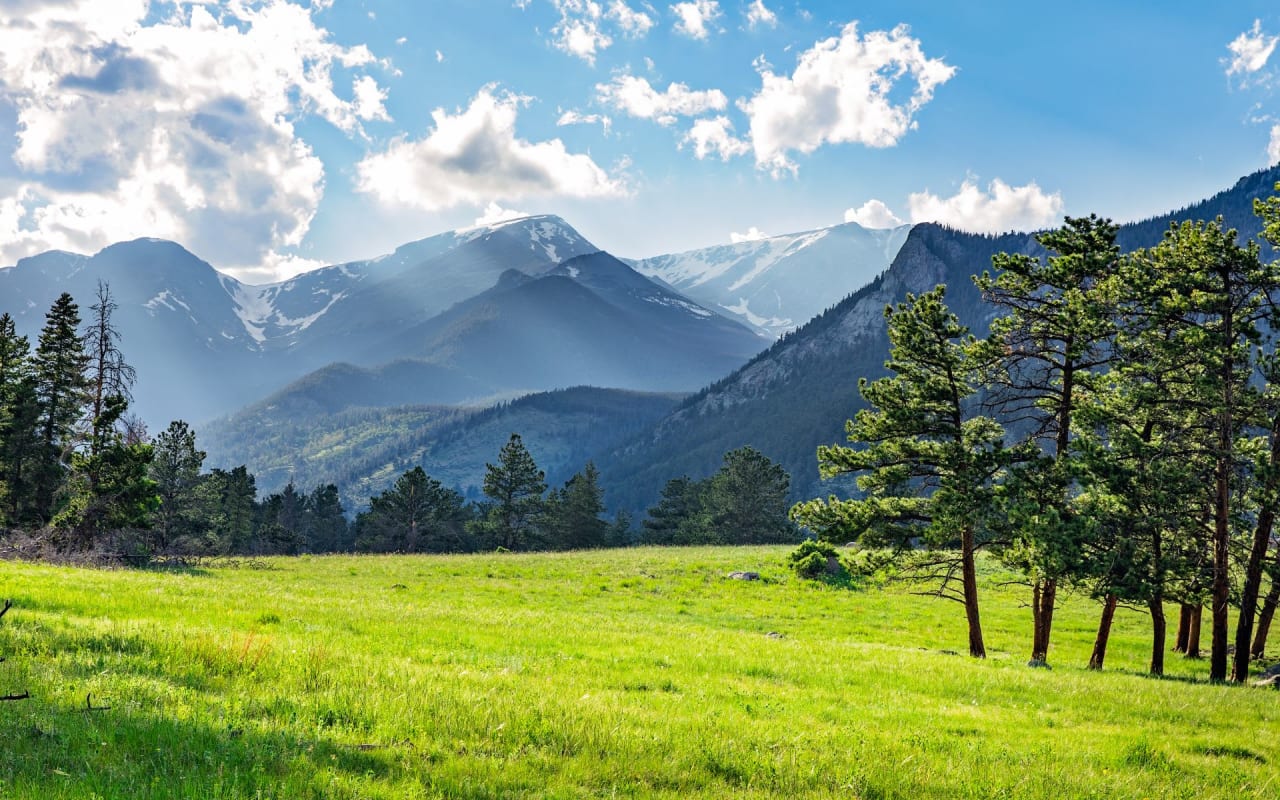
[(61, 391), (925, 460), (516, 487), (327, 528), (1051, 345), (573, 516), (417, 514), (679, 516), (18, 424), (175, 468), (746, 499)]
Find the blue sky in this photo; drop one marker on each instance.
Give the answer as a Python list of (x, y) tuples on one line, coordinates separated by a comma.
[(274, 136)]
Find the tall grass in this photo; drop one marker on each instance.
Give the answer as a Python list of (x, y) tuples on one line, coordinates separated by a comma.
[(638, 673)]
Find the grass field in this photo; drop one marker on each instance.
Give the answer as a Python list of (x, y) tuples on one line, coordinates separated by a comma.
[(635, 673)]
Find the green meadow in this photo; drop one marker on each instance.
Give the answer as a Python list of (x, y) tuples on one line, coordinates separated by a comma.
[(626, 673)]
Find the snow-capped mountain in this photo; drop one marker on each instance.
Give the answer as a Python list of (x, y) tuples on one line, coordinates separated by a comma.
[(780, 282), (205, 344)]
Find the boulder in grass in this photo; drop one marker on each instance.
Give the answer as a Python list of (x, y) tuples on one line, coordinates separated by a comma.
[(744, 576)]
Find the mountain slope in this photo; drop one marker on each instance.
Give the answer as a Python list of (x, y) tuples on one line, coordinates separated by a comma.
[(797, 395), (779, 282), (205, 344), (363, 450)]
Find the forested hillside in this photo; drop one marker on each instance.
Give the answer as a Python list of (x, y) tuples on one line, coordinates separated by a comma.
[(799, 393)]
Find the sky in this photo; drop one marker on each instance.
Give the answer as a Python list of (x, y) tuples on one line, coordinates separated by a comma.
[(270, 137)]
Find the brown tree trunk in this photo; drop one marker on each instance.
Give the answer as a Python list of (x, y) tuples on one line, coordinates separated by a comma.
[(1184, 629), (1042, 599), (1253, 572), (1193, 635), (1259, 648), (1104, 632), (977, 648), (1220, 597), (1158, 631)]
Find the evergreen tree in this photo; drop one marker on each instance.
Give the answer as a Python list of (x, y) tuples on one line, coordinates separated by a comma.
[(18, 425), (515, 486), (746, 500), (175, 468), (61, 391), (1051, 344), (1212, 297), (925, 460), (229, 501), (679, 516), (417, 514), (573, 515), (327, 528)]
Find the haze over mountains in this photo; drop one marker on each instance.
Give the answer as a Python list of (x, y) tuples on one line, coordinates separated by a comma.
[(351, 373)]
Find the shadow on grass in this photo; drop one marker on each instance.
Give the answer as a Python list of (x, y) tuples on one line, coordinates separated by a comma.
[(62, 753)]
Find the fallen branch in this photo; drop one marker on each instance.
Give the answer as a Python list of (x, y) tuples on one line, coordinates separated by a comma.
[(22, 696), (89, 706), (8, 604)]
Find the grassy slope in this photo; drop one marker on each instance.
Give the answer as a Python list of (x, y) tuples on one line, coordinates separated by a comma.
[(636, 673)]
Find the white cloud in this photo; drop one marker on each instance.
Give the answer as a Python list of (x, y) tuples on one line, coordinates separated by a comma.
[(844, 90), (439, 57), (758, 14), (369, 98), (694, 18), (1250, 51), (1001, 208), (753, 234), (474, 157), (714, 137), (633, 23), (578, 32), (581, 30), (572, 117), (179, 125), (494, 213), (1273, 149), (873, 214), (637, 97)]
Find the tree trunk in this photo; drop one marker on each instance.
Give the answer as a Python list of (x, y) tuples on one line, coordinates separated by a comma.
[(1184, 629), (976, 647), (1043, 593), (1253, 572), (1104, 632), (1221, 595), (1193, 635), (1259, 648), (1158, 628)]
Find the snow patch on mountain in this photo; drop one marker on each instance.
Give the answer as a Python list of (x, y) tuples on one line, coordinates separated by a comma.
[(166, 299), (675, 302), (743, 309)]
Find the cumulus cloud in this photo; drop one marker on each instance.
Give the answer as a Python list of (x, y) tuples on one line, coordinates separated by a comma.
[(1273, 149), (753, 234), (494, 213), (872, 214), (474, 156), (581, 30), (1250, 51), (845, 89), (637, 97), (714, 137), (693, 19), (181, 126), (1000, 208), (758, 15), (632, 23)]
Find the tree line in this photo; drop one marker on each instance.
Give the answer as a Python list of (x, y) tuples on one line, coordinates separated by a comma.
[(79, 474), (1118, 432)]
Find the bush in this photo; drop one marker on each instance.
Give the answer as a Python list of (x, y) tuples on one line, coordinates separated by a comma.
[(815, 560)]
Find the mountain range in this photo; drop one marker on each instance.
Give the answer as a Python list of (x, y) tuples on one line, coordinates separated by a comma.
[(353, 372)]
